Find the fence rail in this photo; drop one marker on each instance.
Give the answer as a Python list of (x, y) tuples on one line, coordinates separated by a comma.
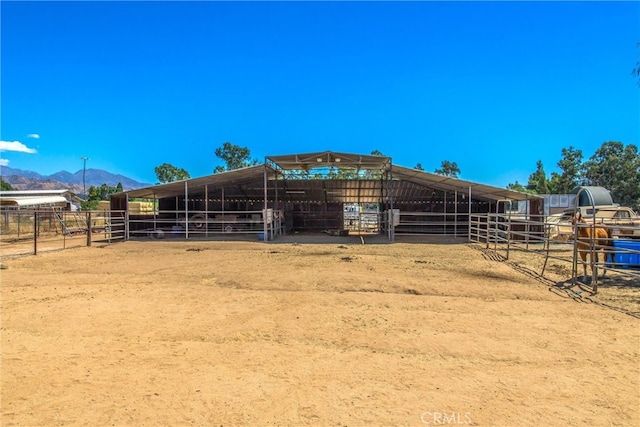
[(167, 223), (432, 223), (586, 256), (25, 232)]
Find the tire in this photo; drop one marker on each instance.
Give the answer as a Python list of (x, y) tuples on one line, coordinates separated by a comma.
[(156, 234), (199, 221)]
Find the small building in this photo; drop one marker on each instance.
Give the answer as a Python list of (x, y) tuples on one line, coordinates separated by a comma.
[(63, 199)]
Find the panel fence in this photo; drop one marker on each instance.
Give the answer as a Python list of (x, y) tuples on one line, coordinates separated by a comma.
[(24, 232), (618, 252)]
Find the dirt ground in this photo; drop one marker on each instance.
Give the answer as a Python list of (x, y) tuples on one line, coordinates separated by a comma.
[(295, 333)]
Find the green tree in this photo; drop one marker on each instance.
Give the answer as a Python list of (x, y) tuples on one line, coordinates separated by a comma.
[(96, 194), (297, 174), (616, 167), (572, 172), (516, 186), (448, 168), (4, 185), (538, 180), (344, 173), (419, 167), (374, 174), (169, 173), (234, 157)]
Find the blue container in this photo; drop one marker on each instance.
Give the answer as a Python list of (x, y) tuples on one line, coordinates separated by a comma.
[(261, 236), (626, 259)]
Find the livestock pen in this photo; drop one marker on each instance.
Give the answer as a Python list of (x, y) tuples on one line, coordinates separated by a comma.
[(512, 239)]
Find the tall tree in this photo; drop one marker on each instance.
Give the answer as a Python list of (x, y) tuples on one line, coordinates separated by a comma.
[(419, 167), (538, 180), (572, 172), (617, 168), (448, 168), (169, 173), (234, 157)]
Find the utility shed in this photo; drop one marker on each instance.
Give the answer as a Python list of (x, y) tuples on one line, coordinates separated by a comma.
[(320, 192)]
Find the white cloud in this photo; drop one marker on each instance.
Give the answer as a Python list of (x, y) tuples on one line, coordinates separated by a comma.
[(16, 146), (4, 162), (33, 135)]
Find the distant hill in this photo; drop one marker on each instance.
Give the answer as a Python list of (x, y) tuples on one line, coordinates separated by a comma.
[(29, 180)]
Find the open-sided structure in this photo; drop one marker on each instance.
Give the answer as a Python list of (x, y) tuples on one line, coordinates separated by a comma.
[(39, 199), (316, 192)]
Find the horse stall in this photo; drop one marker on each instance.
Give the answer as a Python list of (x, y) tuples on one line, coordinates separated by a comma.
[(316, 217), (227, 204)]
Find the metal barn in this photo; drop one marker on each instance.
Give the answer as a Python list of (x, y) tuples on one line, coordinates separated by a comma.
[(323, 192)]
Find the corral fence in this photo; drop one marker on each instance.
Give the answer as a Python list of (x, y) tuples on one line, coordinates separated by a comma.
[(586, 257), (205, 224), (24, 232), (430, 224)]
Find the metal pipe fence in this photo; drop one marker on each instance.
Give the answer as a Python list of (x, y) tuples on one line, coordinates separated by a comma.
[(618, 252), (29, 232), (195, 223), (432, 224)]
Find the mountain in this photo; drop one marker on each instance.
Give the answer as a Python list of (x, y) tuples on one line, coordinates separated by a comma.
[(23, 183), (6, 171), (29, 180)]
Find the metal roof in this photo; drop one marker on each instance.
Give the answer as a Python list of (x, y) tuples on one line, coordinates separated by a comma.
[(12, 193), (332, 190), (65, 193), (308, 161), (235, 177), (33, 201), (248, 183), (441, 182), (596, 196)]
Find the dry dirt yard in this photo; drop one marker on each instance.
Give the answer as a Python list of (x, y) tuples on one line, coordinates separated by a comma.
[(328, 334)]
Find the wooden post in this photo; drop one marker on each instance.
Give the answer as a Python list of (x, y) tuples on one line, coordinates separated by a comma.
[(89, 228), (35, 233)]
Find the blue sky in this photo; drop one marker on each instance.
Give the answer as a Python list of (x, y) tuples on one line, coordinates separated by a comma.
[(492, 86)]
